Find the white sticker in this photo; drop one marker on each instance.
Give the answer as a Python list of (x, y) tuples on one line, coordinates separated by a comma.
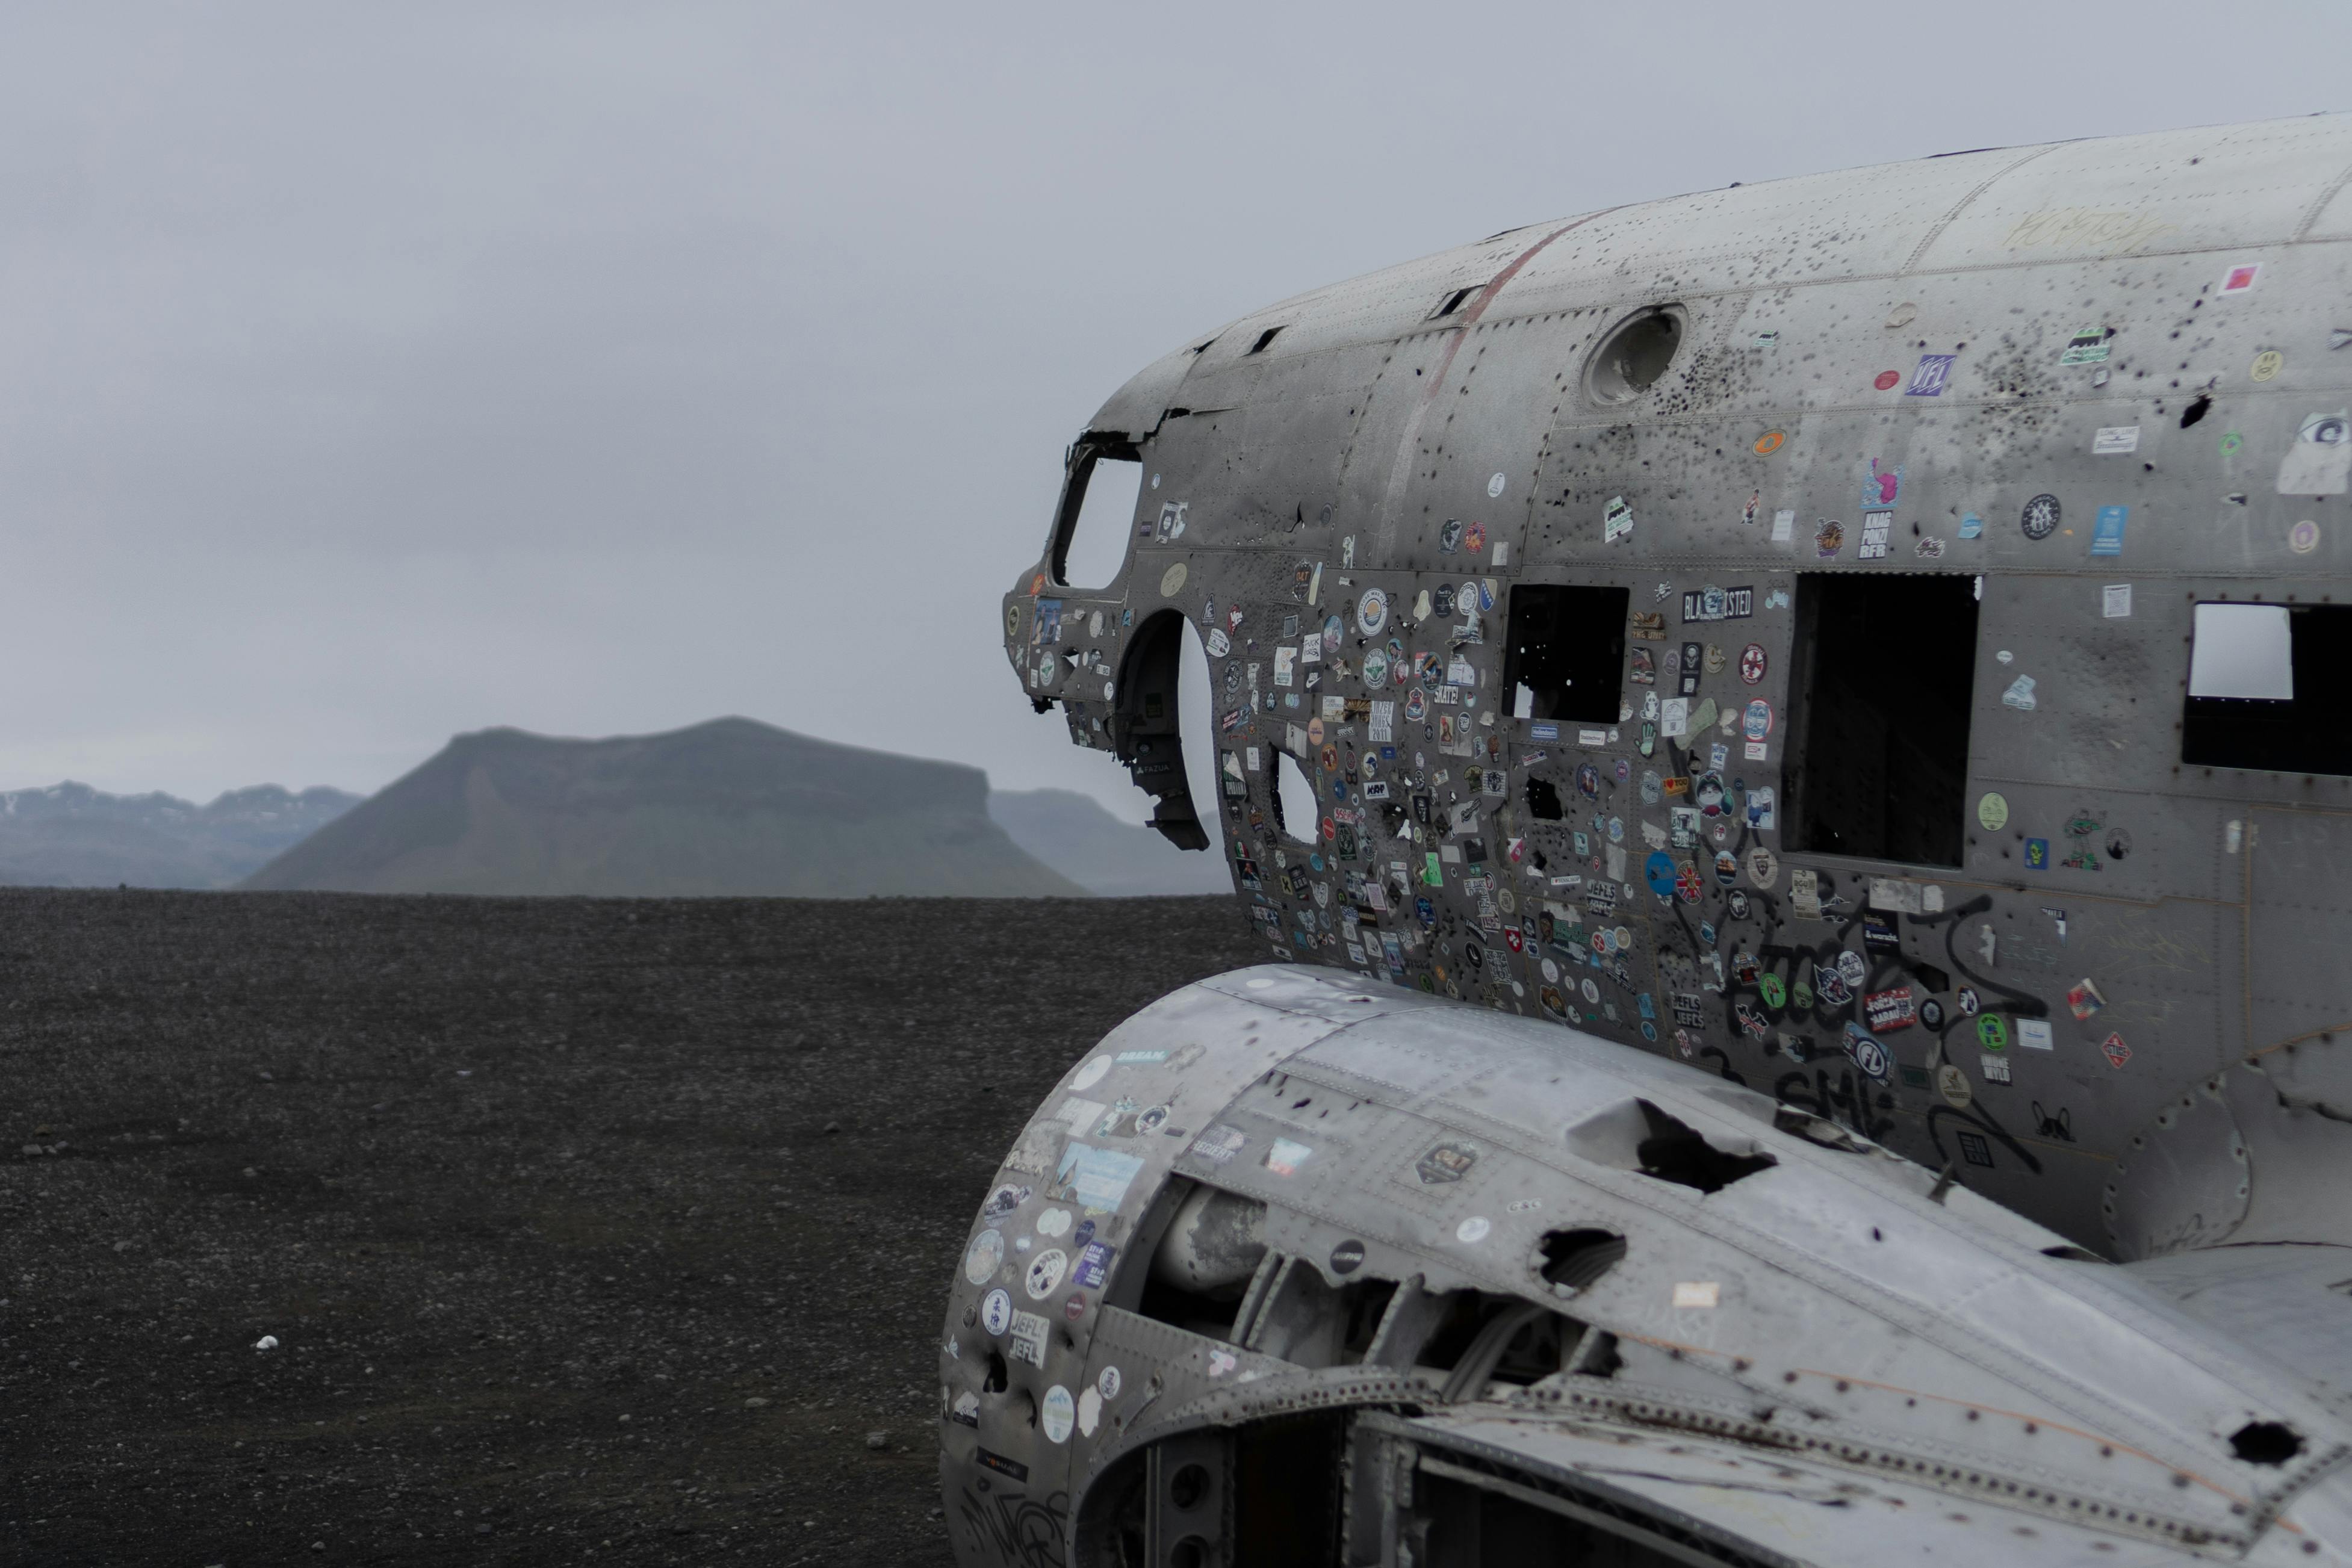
[(1091, 1073), (1108, 1384), (1784, 526), (1053, 1222), (1502, 556), (1704, 1293), (1057, 1411), (2033, 1034), (1029, 1332), (2114, 600), (1172, 581), (1473, 1231), (1078, 1111), (996, 1312), (1495, 486), (2113, 439), (1046, 1271), (1089, 1412), (984, 1257)]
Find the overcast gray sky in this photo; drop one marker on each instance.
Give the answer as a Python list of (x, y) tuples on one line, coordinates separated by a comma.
[(372, 373)]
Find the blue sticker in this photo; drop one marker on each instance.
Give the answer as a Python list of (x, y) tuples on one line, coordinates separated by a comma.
[(2037, 854), (1658, 871), (1543, 731), (1972, 526), (1929, 379), (1094, 1265), (2108, 534)]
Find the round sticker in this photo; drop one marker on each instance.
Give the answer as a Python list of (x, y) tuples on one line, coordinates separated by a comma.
[(1172, 581), (1443, 604), (2040, 518), (1992, 813), (1371, 614), (1886, 379), (1046, 1271), (1852, 967), (2266, 365), (1495, 484), (1756, 723), (1473, 1231), (1658, 871), (996, 1312), (2231, 441), (1931, 1013), (1773, 989), (1012, 620), (1752, 663), (1075, 1307), (1953, 1085), (1108, 1384), (1966, 997), (1591, 992), (2304, 537), (1058, 1412), (1314, 732), (1089, 1075), (1727, 867), (1346, 1258), (1376, 667), (1769, 442), (1867, 1053), (1991, 1033), (986, 1252), (1053, 1222)]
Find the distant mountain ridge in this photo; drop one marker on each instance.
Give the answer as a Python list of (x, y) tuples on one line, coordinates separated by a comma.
[(1073, 833), (729, 806), (70, 835)]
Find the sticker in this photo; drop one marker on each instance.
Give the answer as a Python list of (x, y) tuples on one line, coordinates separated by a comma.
[(983, 1258), (1829, 538), (1001, 1203), (2037, 854), (996, 1312), (2117, 1052), (1886, 1011), (2020, 694), (1172, 581), (1089, 1412), (1098, 1178), (1219, 1144), (1752, 664), (2304, 537), (2267, 365), (2115, 440), (1029, 1335), (1616, 520), (1763, 868), (2087, 346), (2107, 533), (1012, 1469), (1991, 1033), (2033, 1034), (1972, 526), (1881, 487), (1094, 1266), (1866, 1053), (1046, 1271), (1992, 813), (2085, 1000), (1448, 1162), (2115, 602), (1953, 1085), (1285, 1156), (2040, 518), (1784, 528), (1473, 1231), (966, 1412), (1053, 1222), (1929, 379), (1087, 1076), (1876, 527), (1108, 1384), (1888, 381), (2241, 279), (1371, 614), (1703, 1294), (1495, 484), (2231, 441), (2319, 461)]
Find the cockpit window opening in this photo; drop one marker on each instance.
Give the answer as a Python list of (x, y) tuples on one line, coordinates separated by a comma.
[(1564, 652), (1454, 302), (1102, 491), (2258, 680), (1882, 677), (1264, 338)]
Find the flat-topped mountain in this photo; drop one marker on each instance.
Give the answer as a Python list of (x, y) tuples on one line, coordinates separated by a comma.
[(1073, 833), (731, 806), (70, 835)]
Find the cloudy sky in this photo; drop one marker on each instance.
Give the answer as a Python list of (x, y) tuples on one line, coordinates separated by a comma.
[(372, 373)]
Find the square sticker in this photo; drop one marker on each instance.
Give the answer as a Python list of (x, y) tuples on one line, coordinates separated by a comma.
[(2107, 537), (2037, 854), (2240, 279)]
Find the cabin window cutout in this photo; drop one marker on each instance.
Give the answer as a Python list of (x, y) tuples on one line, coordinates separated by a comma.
[(1296, 809), (1454, 302), (2258, 680), (1100, 498), (1882, 675), (1564, 654), (1265, 341)]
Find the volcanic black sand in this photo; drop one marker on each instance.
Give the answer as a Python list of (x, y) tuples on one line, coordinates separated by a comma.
[(603, 1232)]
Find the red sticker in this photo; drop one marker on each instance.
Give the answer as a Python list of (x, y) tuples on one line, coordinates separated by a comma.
[(1751, 663), (1886, 379), (2118, 1052)]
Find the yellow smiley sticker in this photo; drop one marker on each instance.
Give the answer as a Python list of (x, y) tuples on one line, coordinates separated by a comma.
[(2266, 364)]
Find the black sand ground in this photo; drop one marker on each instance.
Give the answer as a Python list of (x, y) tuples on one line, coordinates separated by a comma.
[(590, 1231)]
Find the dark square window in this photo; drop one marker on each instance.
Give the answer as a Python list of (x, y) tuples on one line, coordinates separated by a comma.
[(1565, 656)]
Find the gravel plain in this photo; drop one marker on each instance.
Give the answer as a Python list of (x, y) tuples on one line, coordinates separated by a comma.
[(586, 1230)]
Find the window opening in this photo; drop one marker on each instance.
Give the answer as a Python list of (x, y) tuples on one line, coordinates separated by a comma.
[(1564, 654), (1264, 338), (1454, 302), (1882, 675), (1208, 1248), (1296, 809), (2258, 680), (1100, 498), (1214, 776), (1634, 355)]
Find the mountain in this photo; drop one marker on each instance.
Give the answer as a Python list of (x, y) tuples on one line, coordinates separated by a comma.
[(731, 806), (1072, 833), (70, 835)]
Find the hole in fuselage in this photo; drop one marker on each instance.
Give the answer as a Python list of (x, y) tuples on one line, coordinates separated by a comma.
[(2266, 1443)]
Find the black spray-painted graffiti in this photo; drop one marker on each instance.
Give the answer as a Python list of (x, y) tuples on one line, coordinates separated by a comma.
[(1019, 1531)]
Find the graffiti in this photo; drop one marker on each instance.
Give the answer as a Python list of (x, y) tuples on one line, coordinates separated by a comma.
[(1841, 1102), (2060, 1126), (1018, 1530), (1718, 1055)]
